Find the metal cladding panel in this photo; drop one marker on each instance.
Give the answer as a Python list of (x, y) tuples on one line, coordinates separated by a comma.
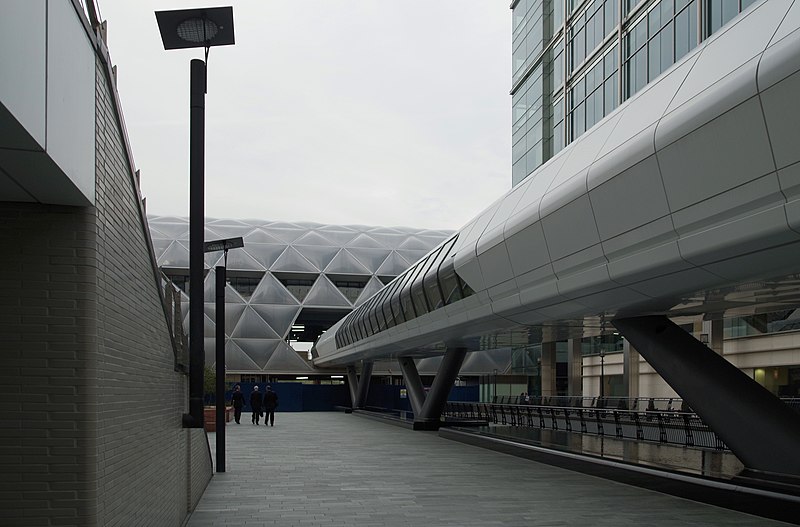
[(723, 146), (23, 61), (782, 113), (71, 79), (643, 179), (790, 185)]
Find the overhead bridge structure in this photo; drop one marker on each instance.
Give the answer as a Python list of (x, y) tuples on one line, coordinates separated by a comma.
[(683, 201)]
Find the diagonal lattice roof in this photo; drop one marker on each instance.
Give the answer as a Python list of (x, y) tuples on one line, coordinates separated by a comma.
[(283, 269)]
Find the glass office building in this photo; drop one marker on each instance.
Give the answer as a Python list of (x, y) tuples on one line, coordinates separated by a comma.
[(575, 61)]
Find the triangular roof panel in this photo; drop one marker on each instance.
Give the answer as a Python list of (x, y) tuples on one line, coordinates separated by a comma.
[(413, 242), (390, 240), (210, 291), (371, 258), (320, 256), (285, 359), (339, 239), (174, 230), (412, 255), (324, 293), (271, 291), (236, 359), (233, 313), (394, 265), (313, 238), (240, 260), (282, 225), (336, 228), (293, 262), (373, 286), (252, 326), (285, 235), (265, 253), (280, 318), (258, 350), (175, 255), (346, 263), (223, 232), (259, 236), (159, 246), (363, 240)]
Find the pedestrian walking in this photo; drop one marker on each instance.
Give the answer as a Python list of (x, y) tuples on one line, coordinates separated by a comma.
[(255, 404), (238, 403), (270, 403)]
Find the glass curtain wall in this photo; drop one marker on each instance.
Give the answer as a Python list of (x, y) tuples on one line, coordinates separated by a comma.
[(575, 61)]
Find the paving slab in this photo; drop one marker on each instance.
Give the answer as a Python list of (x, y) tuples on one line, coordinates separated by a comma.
[(336, 469)]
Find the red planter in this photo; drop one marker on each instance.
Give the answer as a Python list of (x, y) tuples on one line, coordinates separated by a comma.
[(210, 417)]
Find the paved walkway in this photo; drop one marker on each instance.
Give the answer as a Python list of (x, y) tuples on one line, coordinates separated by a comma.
[(335, 469)]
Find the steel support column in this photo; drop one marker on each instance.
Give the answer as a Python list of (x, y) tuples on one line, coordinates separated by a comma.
[(352, 383), (416, 391), (431, 413), (363, 384), (761, 430)]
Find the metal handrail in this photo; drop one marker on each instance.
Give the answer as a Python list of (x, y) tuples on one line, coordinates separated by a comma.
[(661, 426)]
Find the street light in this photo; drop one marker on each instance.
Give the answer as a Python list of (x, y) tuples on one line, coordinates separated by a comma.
[(180, 29), (220, 271)]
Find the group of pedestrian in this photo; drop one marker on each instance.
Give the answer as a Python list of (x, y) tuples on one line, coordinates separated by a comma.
[(261, 404)]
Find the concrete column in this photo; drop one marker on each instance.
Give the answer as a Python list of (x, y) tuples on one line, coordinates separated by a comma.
[(548, 369), (715, 331), (574, 368), (416, 391), (759, 429), (630, 369)]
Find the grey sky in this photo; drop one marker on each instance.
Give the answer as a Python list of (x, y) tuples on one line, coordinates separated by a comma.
[(375, 112)]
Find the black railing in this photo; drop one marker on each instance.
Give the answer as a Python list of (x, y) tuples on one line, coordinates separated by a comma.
[(655, 425)]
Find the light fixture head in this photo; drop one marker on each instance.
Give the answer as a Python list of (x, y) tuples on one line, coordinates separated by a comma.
[(196, 28)]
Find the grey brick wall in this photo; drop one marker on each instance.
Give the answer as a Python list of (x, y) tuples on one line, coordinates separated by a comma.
[(142, 398), (90, 402), (48, 340)]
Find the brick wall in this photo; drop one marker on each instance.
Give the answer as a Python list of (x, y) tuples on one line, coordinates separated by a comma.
[(90, 402), (141, 445), (48, 340)]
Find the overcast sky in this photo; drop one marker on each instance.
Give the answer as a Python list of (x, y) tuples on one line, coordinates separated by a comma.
[(374, 112)]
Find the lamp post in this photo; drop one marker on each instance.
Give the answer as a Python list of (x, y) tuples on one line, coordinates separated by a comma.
[(180, 29), (220, 271)]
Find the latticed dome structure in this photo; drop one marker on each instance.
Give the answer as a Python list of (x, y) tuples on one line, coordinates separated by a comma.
[(291, 281)]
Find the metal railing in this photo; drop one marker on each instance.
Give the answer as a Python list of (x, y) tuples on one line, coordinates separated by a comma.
[(655, 425)]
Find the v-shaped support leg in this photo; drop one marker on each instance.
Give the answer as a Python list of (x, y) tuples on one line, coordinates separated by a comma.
[(428, 408)]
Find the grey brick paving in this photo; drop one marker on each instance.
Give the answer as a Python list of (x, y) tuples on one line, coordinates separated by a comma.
[(334, 469)]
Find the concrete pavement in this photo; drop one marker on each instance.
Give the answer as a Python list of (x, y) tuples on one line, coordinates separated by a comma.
[(335, 469)]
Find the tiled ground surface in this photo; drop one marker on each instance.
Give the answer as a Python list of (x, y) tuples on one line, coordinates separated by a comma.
[(335, 469)]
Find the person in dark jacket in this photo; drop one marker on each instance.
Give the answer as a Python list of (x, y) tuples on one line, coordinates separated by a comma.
[(270, 403), (237, 399), (255, 404)]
